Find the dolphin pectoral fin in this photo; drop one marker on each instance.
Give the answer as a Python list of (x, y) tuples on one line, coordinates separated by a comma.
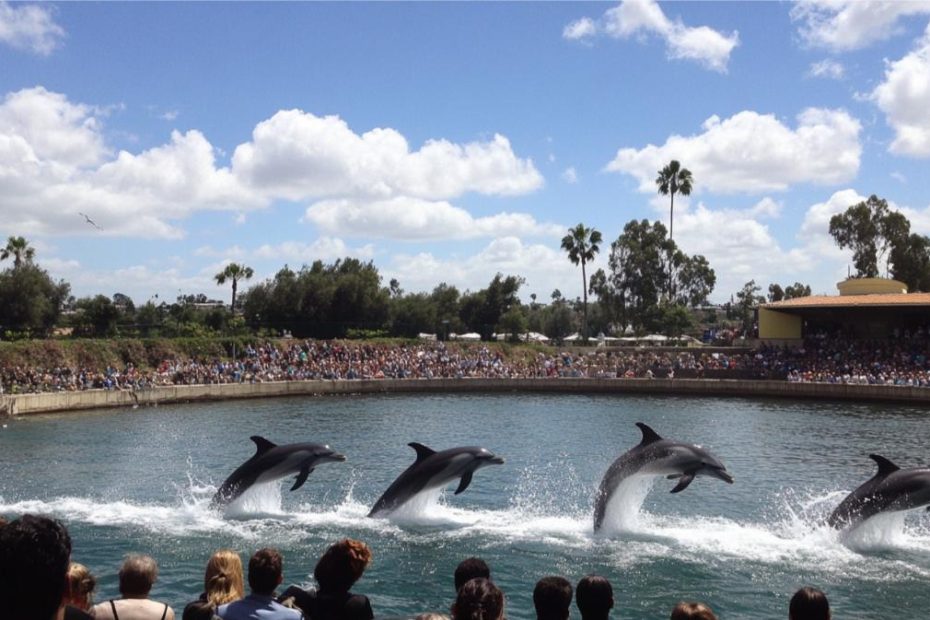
[(422, 451), (683, 483), (301, 478), (466, 480), (262, 444)]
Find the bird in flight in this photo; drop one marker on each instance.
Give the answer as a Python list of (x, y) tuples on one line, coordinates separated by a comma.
[(89, 221)]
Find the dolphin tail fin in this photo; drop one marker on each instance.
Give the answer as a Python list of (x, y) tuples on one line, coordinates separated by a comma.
[(885, 466), (466, 480), (649, 435), (301, 478), (422, 451), (262, 444), (683, 483)]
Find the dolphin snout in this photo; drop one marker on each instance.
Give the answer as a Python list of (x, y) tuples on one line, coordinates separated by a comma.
[(496, 460), (337, 457), (723, 475)]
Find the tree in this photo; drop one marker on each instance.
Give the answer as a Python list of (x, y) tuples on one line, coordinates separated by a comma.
[(233, 272), (19, 249), (911, 262), (98, 315), (673, 179), (870, 229), (481, 311), (796, 290), (776, 292), (30, 300), (747, 299), (581, 243)]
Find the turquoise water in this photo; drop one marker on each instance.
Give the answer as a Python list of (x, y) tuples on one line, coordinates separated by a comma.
[(140, 480)]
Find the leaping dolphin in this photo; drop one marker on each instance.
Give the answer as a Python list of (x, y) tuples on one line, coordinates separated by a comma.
[(271, 462), (891, 489), (433, 470), (655, 456)]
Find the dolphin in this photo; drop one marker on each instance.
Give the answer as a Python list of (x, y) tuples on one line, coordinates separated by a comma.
[(655, 456), (891, 489), (271, 462), (433, 470)]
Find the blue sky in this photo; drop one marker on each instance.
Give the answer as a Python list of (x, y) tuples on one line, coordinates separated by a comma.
[(451, 141)]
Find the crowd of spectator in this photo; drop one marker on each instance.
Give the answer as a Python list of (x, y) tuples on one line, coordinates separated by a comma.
[(38, 581), (893, 361)]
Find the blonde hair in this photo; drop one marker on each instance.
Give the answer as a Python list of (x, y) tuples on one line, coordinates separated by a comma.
[(81, 586), (223, 581)]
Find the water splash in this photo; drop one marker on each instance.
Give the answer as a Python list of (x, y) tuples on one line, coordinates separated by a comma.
[(624, 510)]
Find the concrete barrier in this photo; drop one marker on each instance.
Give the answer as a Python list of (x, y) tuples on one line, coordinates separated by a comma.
[(27, 404)]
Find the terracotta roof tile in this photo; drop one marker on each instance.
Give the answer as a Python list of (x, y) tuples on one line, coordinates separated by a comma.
[(838, 301)]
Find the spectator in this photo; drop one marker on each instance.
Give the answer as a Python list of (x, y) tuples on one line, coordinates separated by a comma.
[(34, 556), (335, 573), (470, 568), (265, 574), (136, 578), (809, 604), (223, 582), (81, 586), (478, 599), (199, 610), (594, 597), (692, 611), (552, 598)]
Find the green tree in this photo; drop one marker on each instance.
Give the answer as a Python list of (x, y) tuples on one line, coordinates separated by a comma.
[(582, 244), (747, 300), (673, 179), (513, 323), (98, 315), (910, 261), (481, 310), (233, 272), (796, 290), (776, 292), (694, 280), (558, 321), (412, 314), (30, 300), (870, 228), (19, 249)]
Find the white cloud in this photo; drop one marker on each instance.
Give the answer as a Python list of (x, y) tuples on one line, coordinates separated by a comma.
[(415, 219), (904, 97), (639, 17), (766, 208), (751, 152), (845, 25), (30, 27), (828, 69), (297, 155), (324, 248), (170, 115), (897, 176), (570, 175)]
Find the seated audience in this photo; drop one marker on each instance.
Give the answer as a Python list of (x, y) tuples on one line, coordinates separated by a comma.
[(692, 611), (136, 578), (594, 597), (34, 556), (335, 573), (79, 599), (223, 582), (199, 610), (552, 598), (265, 574), (809, 604), (470, 568), (478, 599)]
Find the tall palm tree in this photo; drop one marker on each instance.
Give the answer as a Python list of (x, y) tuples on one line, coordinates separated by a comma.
[(581, 243), (19, 249), (673, 179), (234, 272)]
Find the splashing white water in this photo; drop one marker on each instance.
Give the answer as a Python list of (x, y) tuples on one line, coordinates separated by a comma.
[(624, 510)]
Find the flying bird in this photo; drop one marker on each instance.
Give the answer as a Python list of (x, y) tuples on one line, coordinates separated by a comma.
[(89, 221)]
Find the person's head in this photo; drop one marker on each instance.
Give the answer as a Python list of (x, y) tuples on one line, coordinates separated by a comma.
[(431, 615), (342, 565), (809, 604), (137, 576), (81, 586), (692, 611), (3, 522), (594, 597), (478, 599), (266, 571), (552, 597), (34, 556), (471, 568), (199, 610), (223, 581)]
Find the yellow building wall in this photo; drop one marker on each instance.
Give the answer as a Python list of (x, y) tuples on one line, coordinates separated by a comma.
[(774, 325), (871, 286)]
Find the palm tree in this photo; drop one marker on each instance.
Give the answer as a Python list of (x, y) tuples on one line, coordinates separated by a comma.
[(233, 272), (581, 243), (673, 179), (19, 249)]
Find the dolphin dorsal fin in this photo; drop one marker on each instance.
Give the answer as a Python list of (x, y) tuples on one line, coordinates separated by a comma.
[(885, 466), (262, 444), (649, 435), (422, 451)]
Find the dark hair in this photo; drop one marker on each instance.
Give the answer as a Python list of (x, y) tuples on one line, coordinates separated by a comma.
[(809, 604), (342, 565), (478, 599), (594, 597), (34, 556), (199, 610), (137, 575), (3, 521), (692, 611), (552, 597), (265, 569), (471, 568)]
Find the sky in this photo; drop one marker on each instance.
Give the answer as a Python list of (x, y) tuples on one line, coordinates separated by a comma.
[(449, 141)]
